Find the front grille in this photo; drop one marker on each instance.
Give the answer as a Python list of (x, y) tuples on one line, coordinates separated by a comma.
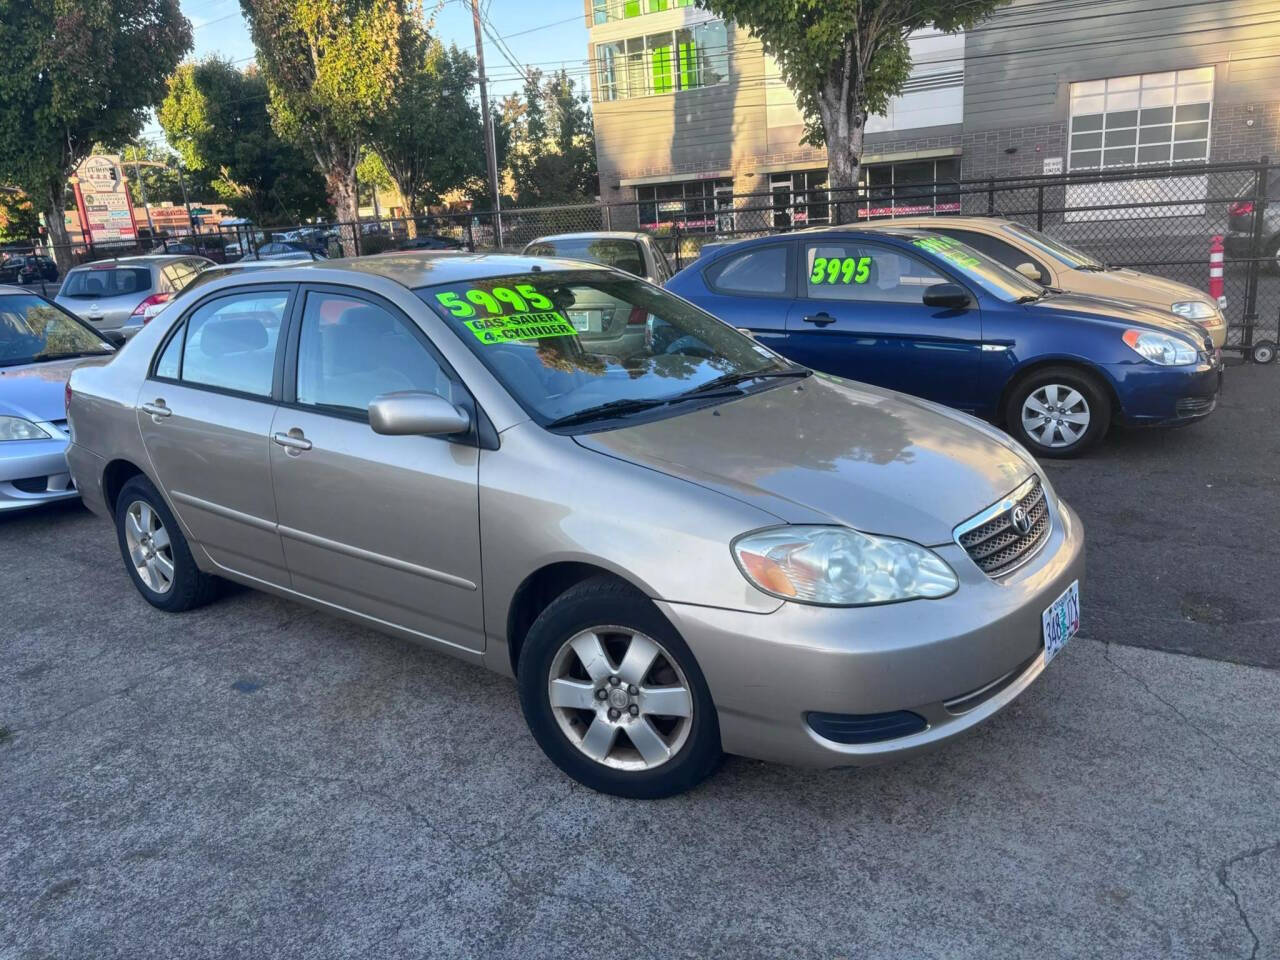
[(992, 540), (1195, 406)]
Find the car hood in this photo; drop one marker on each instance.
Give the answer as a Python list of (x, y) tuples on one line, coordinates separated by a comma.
[(37, 391), (1125, 284), (1121, 313), (831, 451)]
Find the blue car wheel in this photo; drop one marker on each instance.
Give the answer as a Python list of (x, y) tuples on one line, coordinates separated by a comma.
[(1058, 412)]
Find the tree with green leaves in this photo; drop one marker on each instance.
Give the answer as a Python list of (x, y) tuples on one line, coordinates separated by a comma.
[(330, 65), (552, 155), (430, 138), (216, 117), (845, 60), (19, 220), (74, 73)]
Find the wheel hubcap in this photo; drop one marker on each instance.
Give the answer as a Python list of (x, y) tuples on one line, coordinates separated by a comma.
[(1055, 415), (150, 550), (620, 698)]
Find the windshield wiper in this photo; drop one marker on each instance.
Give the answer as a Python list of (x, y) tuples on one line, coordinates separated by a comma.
[(1032, 297), (733, 379), (603, 411)]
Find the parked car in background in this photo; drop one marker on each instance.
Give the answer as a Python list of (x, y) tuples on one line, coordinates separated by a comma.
[(27, 268), (928, 315), (675, 559), (40, 344), (1241, 217), (110, 292), (1053, 263), (284, 250), (634, 253), (429, 242)]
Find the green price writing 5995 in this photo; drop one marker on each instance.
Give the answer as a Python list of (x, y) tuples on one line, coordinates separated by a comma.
[(840, 270), (496, 302)]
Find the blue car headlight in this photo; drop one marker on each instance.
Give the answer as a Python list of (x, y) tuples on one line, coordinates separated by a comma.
[(1160, 348)]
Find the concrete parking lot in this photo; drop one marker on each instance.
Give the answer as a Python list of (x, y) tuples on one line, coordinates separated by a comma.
[(258, 780)]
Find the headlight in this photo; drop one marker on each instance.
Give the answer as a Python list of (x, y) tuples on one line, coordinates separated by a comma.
[(839, 567), (1197, 310), (15, 428), (1159, 348)]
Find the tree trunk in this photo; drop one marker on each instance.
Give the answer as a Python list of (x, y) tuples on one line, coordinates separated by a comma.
[(56, 224), (340, 183), (413, 208), (844, 163)]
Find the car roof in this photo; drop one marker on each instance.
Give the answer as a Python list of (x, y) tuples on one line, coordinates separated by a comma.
[(421, 268), (145, 260), (593, 235), (8, 288)]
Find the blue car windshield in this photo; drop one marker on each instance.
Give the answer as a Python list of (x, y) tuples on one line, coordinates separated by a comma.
[(1067, 255), (995, 278), (568, 344)]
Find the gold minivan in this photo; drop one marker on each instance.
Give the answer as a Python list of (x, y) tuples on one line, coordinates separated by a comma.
[(1056, 264)]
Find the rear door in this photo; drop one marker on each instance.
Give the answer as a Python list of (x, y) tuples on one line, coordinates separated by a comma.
[(205, 414), (861, 315), (386, 526), (754, 289)]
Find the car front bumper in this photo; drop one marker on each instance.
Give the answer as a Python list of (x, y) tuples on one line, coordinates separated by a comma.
[(33, 472), (983, 644), (1152, 395)]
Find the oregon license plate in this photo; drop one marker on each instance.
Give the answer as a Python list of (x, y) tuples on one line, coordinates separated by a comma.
[(586, 321), (1061, 620)]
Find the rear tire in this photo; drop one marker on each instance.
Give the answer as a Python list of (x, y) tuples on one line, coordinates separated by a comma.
[(155, 551), (597, 645), (1058, 412)]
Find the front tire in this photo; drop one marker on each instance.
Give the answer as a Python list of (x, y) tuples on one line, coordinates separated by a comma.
[(614, 696), (155, 551), (1058, 412)]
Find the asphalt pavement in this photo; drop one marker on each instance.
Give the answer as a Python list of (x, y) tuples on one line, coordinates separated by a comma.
[(258, 780)]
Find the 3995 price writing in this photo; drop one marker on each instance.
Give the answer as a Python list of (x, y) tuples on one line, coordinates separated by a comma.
[(840, 270)]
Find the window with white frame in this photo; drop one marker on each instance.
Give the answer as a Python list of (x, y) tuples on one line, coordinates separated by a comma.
[(602, 11), (1152, 118), (682, 59)]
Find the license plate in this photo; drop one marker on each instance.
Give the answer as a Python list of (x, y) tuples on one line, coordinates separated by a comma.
[(585, 321), (1061, 620)]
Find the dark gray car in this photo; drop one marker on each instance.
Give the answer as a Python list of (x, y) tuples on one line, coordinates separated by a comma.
[(108, 293)]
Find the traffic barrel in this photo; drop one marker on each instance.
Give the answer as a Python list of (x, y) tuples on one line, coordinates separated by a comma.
[(1216, 250)]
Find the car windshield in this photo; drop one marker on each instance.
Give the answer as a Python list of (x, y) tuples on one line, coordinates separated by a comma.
[(1063, 253), (611, 251), (33, 329), (100, 282), (994, 277), (589, 344)]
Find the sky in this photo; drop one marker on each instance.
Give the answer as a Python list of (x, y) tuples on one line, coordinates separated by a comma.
[(546, 33)]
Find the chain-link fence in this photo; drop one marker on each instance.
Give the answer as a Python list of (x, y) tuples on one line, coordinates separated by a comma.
[(1159, 220)]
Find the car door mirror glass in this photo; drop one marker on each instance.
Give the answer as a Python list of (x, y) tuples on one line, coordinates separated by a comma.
[(416, 413), (947, 295)]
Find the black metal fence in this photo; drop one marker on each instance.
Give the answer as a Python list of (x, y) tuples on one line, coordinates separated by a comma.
[(1159, 220)]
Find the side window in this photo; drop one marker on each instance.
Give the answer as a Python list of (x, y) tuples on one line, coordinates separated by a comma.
[(231, 342), (351, 351), (998, 250), (760, 271), (854, 270), (169, 364)]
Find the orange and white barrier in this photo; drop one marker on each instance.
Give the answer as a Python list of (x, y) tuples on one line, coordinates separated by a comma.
[(1216, 250)]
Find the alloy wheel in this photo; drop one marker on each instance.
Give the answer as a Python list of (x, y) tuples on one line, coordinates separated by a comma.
[(150, 549), (1055, 415), (621, 698)]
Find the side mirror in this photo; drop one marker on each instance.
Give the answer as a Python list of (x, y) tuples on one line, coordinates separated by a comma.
[(416, 413), (1030, 271), (114, 337), (949, 296), (746, 332)]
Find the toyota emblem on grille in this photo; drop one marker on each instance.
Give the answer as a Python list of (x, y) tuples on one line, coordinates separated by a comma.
[(1021, 522)]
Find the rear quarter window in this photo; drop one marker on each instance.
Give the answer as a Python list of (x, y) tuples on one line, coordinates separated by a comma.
[(760, 271)]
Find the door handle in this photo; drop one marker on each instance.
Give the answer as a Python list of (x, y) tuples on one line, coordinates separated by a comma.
[(820, 319), (157, 409), (292, 441)]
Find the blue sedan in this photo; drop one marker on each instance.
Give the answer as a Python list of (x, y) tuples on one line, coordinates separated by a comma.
[(927, 315)]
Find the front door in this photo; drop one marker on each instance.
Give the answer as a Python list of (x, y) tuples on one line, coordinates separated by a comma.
[(387, 527), (205, 414), (861, 315)]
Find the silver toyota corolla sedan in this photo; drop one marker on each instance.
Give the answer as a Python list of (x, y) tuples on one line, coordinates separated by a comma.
[(689, 547), (40, 344)]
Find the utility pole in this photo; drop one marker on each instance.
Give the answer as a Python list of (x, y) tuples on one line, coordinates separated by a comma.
[(142, 189), (186, 200), (490, 145)]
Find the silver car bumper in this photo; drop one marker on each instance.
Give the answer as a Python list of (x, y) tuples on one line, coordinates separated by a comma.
[(954, 661), (33, 472)]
